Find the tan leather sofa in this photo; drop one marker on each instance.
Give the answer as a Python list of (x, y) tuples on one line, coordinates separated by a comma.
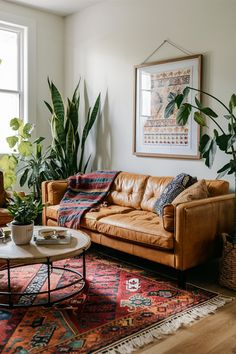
[(129, 224), (5, 217)]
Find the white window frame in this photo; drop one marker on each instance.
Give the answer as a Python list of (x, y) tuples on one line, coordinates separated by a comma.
[(21, 90)]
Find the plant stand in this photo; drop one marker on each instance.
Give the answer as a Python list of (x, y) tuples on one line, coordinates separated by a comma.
[(227, 275)]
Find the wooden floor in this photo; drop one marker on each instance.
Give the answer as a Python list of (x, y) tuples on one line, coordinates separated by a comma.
[(214, 334)]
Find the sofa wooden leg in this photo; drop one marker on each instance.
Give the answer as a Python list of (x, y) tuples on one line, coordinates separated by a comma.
[(182, 279)]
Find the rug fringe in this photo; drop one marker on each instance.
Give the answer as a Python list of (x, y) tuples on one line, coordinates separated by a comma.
[(166, 327)]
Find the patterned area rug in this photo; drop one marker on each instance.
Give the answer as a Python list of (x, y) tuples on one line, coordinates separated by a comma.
[(121, 309)]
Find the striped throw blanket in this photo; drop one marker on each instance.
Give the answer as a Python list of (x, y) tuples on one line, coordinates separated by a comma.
[(84, 191)]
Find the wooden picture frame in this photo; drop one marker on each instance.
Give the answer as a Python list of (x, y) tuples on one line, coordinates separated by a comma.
[(155, 135)]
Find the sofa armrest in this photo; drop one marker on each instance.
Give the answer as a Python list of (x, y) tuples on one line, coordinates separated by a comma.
[(198, 226), (53, 191)]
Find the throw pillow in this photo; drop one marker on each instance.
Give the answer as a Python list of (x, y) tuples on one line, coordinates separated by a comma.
[(196, 191), (175, 187)]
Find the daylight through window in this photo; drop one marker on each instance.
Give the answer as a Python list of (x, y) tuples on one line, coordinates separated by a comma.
[(12, 79)]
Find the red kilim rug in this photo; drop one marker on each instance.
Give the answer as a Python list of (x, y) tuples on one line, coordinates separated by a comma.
[(121, 309)]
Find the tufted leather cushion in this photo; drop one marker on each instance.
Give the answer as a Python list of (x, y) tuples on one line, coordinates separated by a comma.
[(127, 190), (153, 190)]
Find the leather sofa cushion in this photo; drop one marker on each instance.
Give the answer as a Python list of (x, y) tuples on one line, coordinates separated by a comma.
[(153, 190), (5, 217), (137, 226), (127, 190), (52, 212)]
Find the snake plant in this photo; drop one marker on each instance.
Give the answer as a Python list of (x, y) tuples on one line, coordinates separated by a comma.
[(68, 146)]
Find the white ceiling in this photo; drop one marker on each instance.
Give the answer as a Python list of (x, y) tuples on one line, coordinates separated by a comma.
[(59, 7)]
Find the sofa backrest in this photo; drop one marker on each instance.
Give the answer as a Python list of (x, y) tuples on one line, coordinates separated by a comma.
[(156, 185), (153, 190), (127, 190)]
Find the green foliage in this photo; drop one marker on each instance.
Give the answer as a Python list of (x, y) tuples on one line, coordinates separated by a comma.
[(222, 138), (24, 209), (67, 146), (27, 159)]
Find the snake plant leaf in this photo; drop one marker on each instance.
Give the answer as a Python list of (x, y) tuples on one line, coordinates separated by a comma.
[(232, 102), (75, 96), (86, 164), (198, 117), (183, 114), (94, 113), (12, 141), (70, 148), (59, 131), (24, 177), (25, 148), (58, 106), (49, 107), (58, 112), (39, 140)]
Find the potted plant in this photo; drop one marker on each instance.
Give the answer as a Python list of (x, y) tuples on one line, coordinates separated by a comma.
[(28, 160), (68, 145), (24, 210), (222, 137)]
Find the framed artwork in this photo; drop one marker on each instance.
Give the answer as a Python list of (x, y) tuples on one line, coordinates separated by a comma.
[(155, 135)]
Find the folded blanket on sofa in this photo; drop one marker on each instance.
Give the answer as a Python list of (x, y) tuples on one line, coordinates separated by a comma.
[(84, 191)]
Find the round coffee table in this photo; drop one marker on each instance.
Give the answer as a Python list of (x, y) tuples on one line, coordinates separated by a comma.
[(12, 256)]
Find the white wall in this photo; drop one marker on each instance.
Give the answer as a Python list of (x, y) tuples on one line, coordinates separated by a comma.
[(105, 41), (47, 58)]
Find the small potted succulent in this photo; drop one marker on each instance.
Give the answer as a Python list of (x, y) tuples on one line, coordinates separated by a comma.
[(24, 210)]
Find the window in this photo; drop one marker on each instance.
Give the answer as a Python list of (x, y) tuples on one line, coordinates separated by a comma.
[(13, 93)]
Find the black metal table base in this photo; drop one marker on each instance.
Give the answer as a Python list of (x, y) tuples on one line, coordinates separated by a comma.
[(81, 278)]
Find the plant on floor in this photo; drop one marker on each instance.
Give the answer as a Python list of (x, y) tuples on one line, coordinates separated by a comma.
[(222, 137), (27, 160), (68, 146)]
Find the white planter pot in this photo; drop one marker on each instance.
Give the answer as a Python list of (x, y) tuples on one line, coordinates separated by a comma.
[(21, 234)]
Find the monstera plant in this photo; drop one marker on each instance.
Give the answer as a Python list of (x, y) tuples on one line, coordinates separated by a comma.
[(68, 146), (223, 137)]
